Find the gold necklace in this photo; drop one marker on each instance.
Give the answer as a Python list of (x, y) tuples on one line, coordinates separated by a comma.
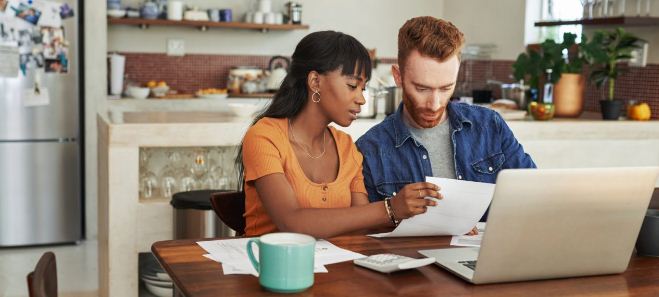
[(290, 125)]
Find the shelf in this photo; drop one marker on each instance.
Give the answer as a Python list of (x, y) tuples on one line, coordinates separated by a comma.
[(612, 21), (204, 25)]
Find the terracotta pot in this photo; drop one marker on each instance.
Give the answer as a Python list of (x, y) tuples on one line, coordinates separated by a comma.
[(569, 95)]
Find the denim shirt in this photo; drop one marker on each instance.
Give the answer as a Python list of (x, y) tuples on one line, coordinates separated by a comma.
[(483, 145)]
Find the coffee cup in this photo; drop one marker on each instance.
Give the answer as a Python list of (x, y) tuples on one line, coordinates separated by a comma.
[(647, 243), (286, 261)]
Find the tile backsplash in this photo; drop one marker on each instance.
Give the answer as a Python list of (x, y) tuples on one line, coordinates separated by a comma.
[(192, 72)]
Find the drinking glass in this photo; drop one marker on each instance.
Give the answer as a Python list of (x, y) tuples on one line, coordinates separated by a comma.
[(148, 182)]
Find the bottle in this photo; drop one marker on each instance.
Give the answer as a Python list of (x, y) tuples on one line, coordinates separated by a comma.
[(548, 94)]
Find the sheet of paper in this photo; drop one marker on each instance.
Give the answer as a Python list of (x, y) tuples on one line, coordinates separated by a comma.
[(34, 98), (470, 240), (50, 13), (232, 253), (463, 205), (8, 61)]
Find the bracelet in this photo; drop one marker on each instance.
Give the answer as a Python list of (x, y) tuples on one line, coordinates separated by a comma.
[(390, 211)]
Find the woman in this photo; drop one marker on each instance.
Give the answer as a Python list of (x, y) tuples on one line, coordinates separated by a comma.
[(302, 175)]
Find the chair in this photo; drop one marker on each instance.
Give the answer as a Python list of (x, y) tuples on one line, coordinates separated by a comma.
[(230, 207), (42, 282)]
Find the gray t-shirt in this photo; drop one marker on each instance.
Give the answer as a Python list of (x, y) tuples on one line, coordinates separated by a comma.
[(437, 141)]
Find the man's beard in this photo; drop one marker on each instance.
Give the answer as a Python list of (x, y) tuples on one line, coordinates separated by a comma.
[(416, 113)]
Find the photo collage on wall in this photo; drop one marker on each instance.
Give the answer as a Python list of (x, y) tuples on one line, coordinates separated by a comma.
[(35, 28)]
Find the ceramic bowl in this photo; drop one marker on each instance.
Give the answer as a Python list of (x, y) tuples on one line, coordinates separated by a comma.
[(159, 291), (138, 93), (117, 13), (160, 91)]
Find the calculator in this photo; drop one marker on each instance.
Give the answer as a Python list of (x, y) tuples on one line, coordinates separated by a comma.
[(388, 263)]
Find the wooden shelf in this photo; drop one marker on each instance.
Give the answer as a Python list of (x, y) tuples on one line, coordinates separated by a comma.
[(204, 25), (612, 21)]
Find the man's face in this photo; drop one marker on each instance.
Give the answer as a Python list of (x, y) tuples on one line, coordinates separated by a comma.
[(427, 88)]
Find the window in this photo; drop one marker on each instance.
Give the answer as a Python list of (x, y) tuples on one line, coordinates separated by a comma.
[(552, 10)]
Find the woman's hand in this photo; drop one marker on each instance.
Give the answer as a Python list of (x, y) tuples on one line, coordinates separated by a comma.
[(473, 231), (410, 201)]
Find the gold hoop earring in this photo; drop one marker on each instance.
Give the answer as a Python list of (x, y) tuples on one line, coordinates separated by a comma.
[(313, 96)]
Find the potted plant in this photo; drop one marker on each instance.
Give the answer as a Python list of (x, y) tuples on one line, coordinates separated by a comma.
[(604, 52), (566, 61), (569, 90), (531, 67)]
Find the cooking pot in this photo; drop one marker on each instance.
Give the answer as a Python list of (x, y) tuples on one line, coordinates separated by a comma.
[(515, 92), (392, 99)]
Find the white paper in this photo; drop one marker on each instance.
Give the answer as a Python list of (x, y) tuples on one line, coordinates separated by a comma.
[(463, 205), (32, 98), (8, 61), (232, 253), (49, 13), (470, 240)]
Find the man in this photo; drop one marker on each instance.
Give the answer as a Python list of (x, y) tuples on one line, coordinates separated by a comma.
[(429, 135)]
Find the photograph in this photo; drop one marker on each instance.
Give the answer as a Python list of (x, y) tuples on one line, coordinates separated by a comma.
[(27, 13), (56, 66), (65, 11)]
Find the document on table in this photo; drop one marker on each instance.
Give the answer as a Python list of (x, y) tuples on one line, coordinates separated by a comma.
[(470, 240), (232, 253), (463, 205)]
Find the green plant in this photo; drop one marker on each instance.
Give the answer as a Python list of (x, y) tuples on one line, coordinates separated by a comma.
[(605, 51), (531, 65)]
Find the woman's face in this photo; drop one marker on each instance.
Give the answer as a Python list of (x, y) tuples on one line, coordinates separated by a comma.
[(341, 96)]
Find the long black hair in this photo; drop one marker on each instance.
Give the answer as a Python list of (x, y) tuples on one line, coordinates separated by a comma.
[(323, 52)]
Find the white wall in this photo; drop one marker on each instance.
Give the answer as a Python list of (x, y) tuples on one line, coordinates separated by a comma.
[(500, 22), (374, 22)]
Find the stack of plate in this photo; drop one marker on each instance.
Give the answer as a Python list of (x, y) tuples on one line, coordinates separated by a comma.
[(155, 279)]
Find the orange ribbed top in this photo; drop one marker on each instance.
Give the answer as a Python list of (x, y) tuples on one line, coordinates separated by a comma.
[(267, 150)]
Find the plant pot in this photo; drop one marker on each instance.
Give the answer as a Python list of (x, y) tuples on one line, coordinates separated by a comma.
[(569, 95), (611, 109)]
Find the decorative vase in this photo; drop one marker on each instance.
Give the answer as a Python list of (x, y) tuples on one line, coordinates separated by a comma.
[(569, 95), (611, 109)]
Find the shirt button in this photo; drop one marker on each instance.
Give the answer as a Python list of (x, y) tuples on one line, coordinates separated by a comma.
[(425, 157), (324, 188), (490, 168), (459, 176), (324, 198)]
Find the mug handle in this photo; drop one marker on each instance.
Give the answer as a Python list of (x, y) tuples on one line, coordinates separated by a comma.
[(252, 259)]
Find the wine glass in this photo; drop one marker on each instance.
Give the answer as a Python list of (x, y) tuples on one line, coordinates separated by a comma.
[(168, 174), (148, 182)]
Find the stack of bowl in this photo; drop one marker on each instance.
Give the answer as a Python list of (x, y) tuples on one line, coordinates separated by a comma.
[(155, 279)]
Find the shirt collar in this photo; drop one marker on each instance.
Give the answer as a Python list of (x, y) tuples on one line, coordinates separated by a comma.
[(402, 132)]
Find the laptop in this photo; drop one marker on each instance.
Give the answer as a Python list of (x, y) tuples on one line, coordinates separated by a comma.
[(556, 223)]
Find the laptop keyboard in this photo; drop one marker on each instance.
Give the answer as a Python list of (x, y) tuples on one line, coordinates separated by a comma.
[(469, 264)]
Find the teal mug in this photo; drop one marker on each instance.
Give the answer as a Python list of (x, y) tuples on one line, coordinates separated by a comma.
[(286, 261)]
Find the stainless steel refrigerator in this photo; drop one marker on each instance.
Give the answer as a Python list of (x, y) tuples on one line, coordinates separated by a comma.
[(41, 154)]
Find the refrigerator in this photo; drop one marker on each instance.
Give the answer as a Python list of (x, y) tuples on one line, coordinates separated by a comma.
[(41, 147)]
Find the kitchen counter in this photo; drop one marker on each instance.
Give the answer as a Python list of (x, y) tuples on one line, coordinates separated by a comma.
[(129, 225)]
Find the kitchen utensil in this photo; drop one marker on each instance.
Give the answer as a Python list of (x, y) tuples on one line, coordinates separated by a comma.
[(482, 96), (175, 10), (392, 99), (294, 12), (226, 15), (278, 69), (258, 17), (149, 11), (214, 14), (515, 92), (269, 18), (117, 64), (138, 93)]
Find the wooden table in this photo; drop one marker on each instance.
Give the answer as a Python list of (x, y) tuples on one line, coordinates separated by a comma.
[(195, 275)]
